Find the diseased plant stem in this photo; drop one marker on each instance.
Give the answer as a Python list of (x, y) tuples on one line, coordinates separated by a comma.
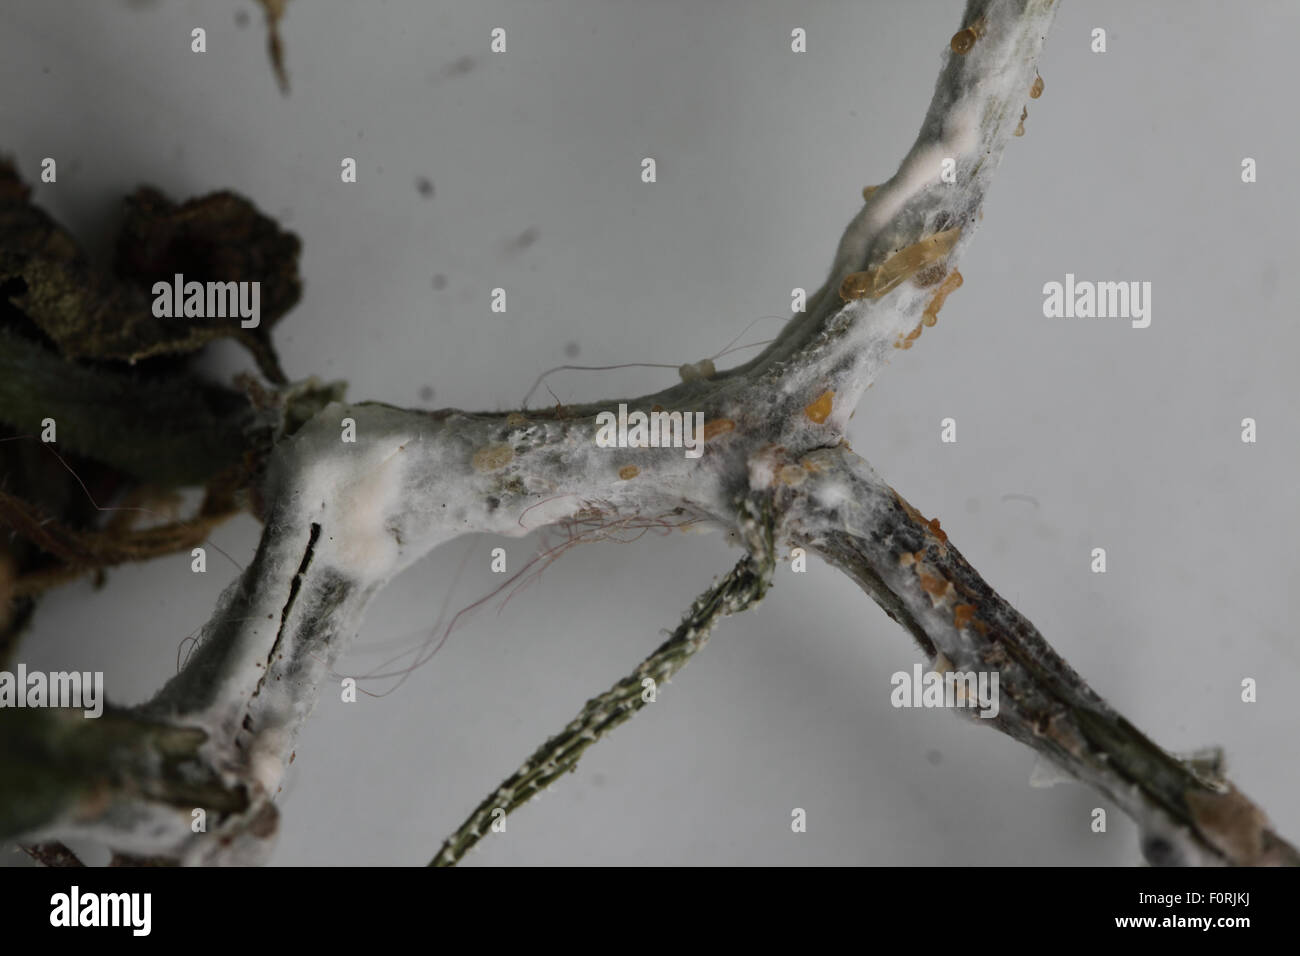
[(343, 519), (1187, 813), (743, 587)]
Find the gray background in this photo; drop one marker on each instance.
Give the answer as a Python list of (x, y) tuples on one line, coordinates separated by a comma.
[(1128, 439)]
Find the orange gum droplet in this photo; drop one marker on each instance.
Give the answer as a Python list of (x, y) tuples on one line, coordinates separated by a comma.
[(964, 40), (931, 315), (961, 615), (719, 426), (867, 191), (1036, 90), (628, 471), (933, 585), (820, 408), (953, 282)]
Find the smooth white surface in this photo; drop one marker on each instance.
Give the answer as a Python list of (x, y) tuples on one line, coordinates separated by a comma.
[(1128, 439)]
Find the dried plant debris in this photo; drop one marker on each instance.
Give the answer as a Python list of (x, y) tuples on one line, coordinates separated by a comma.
[(221, 237), (274, 10), (39, 481), (101, 411), (88, 313)]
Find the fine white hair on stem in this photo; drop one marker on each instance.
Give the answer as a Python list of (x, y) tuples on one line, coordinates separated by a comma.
[(725, 350)]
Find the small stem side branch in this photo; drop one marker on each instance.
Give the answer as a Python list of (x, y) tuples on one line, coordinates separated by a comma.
[(739, 589)]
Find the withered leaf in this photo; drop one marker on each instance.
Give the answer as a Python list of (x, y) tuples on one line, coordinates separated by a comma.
[(89, 314), (221, 237)]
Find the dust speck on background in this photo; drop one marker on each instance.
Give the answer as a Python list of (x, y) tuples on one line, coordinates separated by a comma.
[(522, 241), (451, 70), (460, 66), (571, 349), (440, 281), (426, 393), (424, 186)]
